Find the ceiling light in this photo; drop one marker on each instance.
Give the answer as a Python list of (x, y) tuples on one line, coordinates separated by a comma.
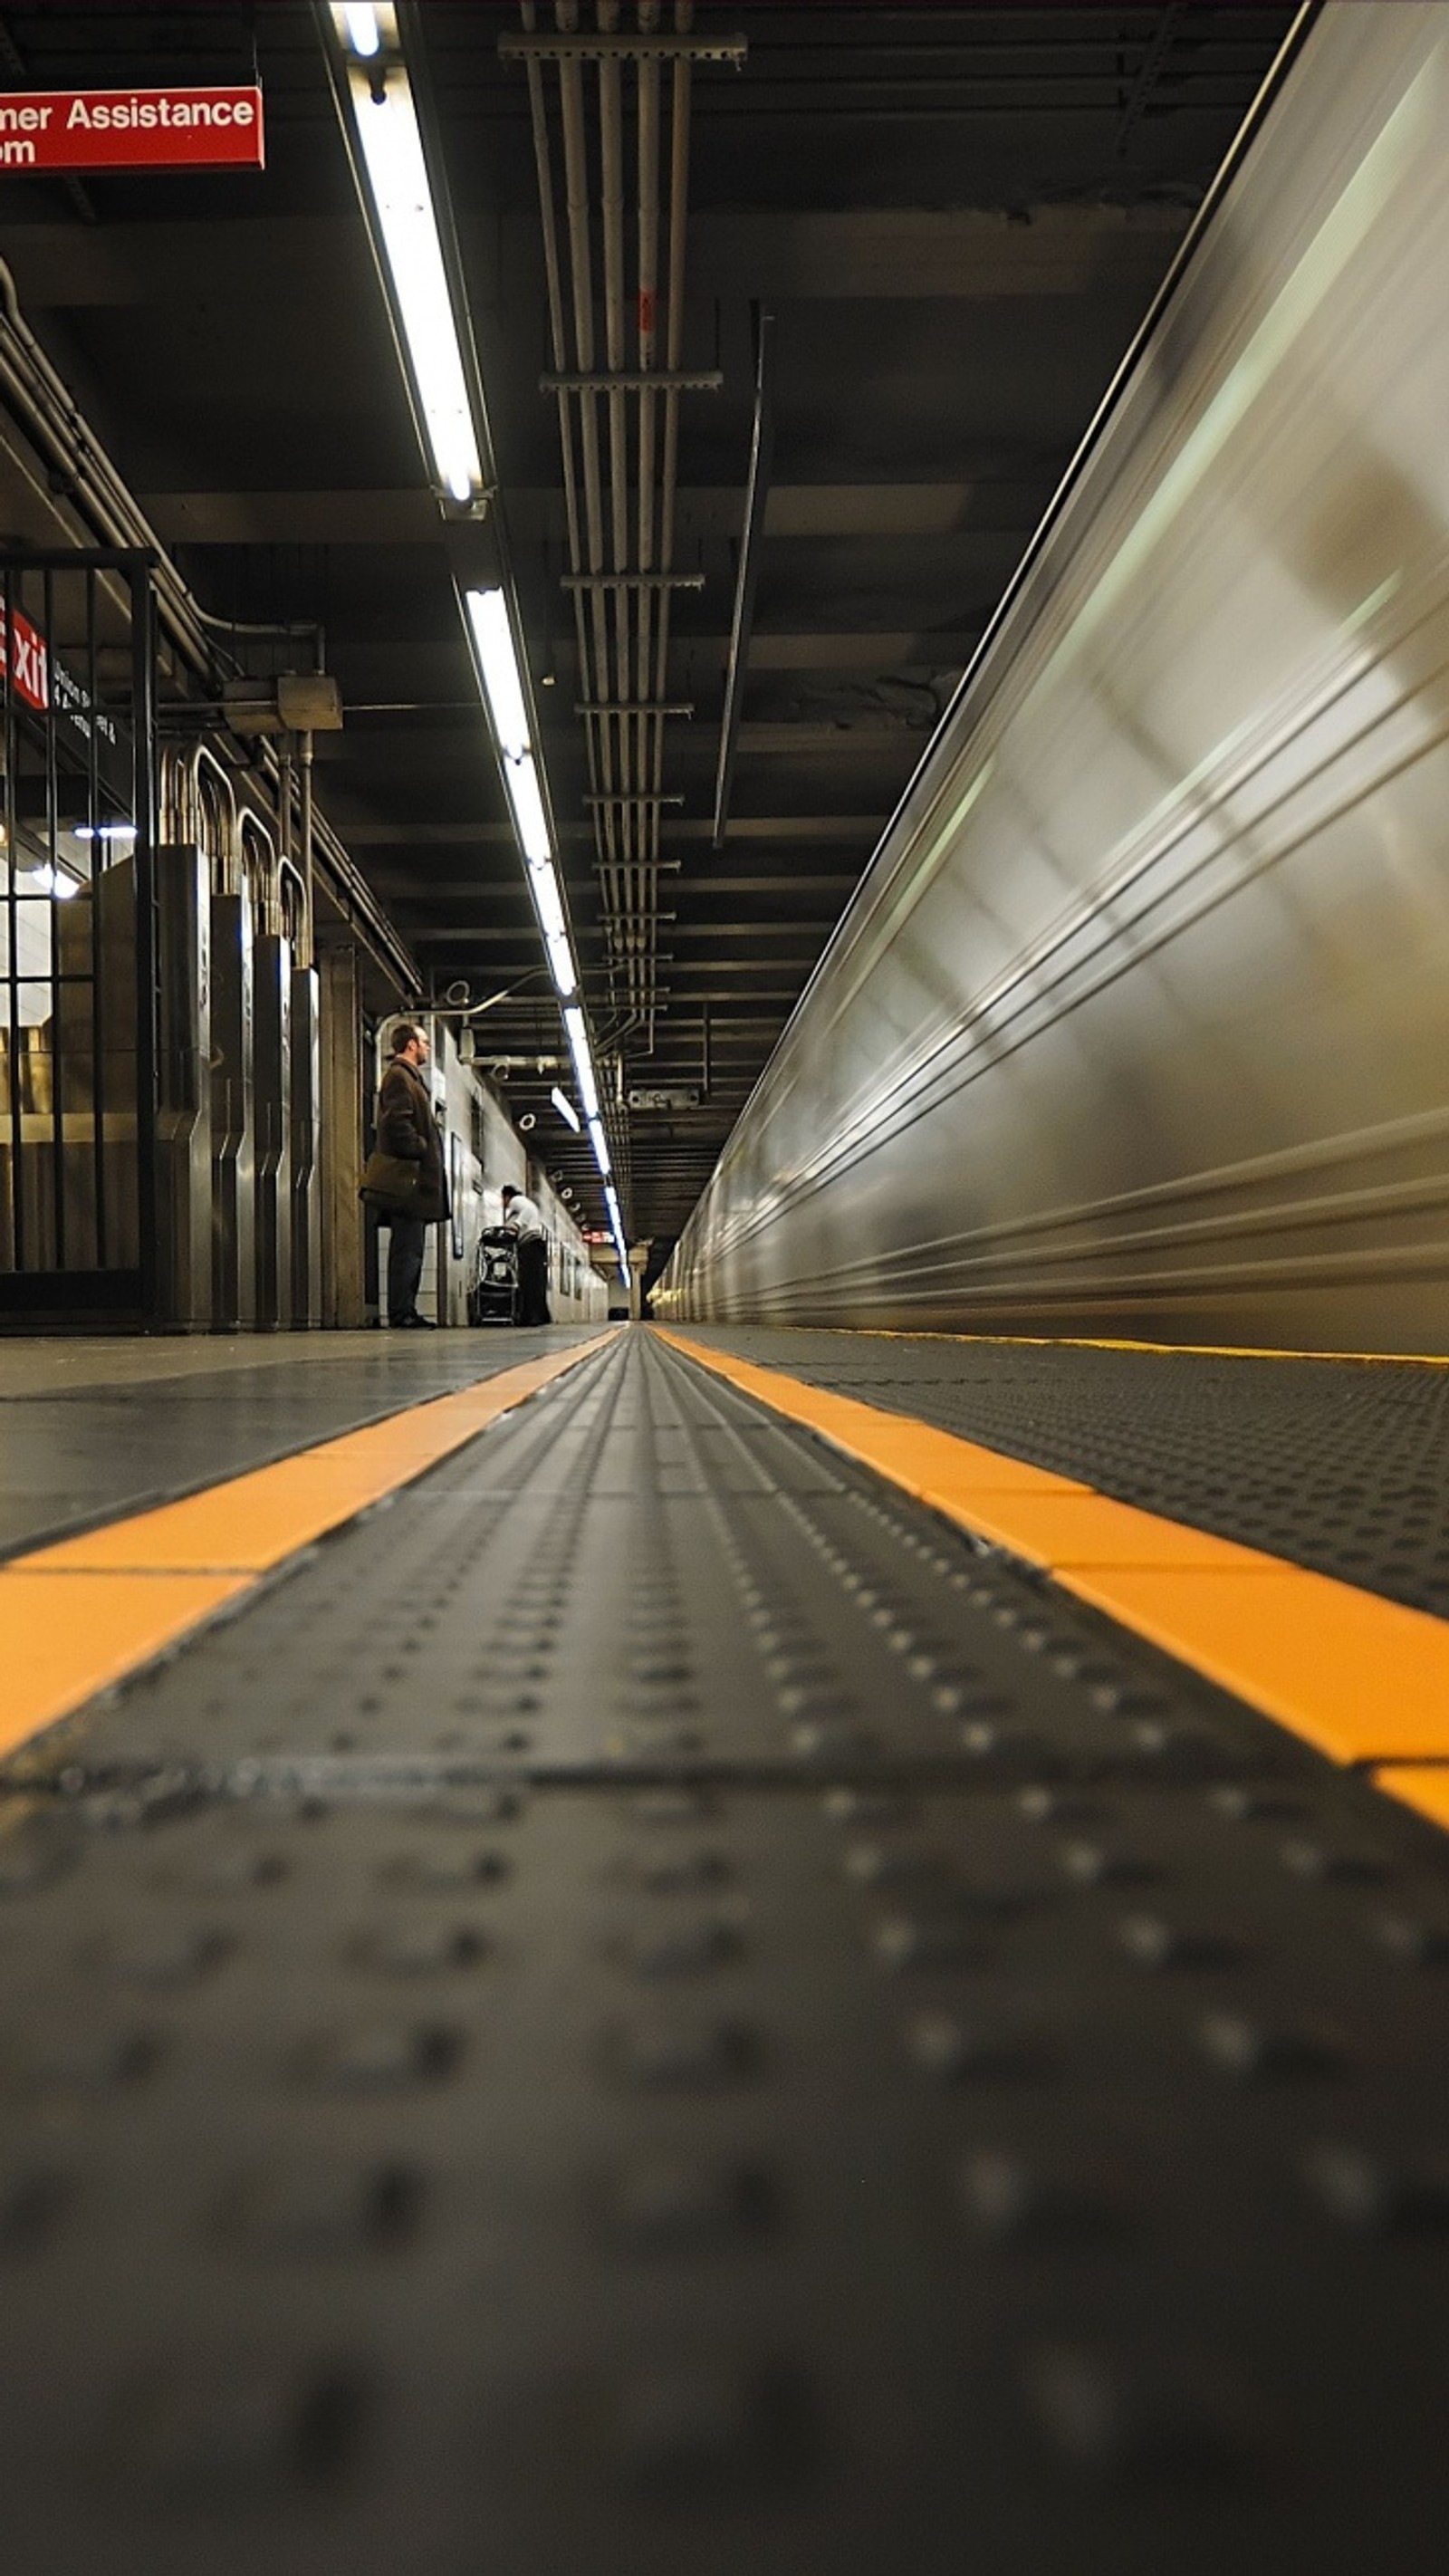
[(600, 1145), (520, 777), (498, 666), (566, 1111), (103, 831), (549, 901), (397, 177), (617, 1225), (561, 967), (364, 34), (578, 1038), (500, 674)]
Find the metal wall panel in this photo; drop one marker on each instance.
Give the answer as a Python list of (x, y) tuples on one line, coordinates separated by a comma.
[(305, 1109), (233, 1147), (183, 1087), (271, 1078)]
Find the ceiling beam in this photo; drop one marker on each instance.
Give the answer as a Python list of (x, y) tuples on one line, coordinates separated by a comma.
[(963, 253), (393, 886), (845, 828), (1004, 498), (871, 730), (956, 254)]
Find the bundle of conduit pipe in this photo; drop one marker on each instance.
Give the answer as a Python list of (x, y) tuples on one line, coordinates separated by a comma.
[(618, 413)]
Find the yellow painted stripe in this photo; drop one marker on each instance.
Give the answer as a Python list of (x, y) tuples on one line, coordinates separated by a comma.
[(1420, 1786), (1167, 1350), (78, 1616), (64, 1641), (1363, 1679)]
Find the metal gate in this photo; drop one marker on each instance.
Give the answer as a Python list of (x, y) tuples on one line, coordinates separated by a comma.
[(78, 938)]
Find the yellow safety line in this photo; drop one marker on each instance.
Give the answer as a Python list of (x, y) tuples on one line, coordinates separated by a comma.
[(1167, 1350), (78, 1616), (1363, 1679), (1420, 1786)]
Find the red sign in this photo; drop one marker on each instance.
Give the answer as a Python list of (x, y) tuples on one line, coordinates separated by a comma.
[(26, 660), (131, 129)]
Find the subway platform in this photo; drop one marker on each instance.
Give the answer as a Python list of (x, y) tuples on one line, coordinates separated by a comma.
[(733, 1950)]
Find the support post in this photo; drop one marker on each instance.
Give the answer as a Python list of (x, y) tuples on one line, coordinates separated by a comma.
[(341, 1141)]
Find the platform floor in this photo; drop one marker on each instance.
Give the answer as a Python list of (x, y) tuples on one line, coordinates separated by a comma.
[(649, 2004), (89, 1428), (1338, 1464)]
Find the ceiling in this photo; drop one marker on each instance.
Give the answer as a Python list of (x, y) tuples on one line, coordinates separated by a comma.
[(955, 218)]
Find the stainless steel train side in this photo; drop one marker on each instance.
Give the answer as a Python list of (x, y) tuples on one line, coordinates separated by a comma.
[(1136, 1024)]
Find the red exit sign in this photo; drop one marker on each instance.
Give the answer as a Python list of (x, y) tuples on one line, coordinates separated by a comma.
[(130, 129), (23, 655)]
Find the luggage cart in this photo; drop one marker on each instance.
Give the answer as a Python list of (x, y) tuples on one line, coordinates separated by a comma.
[(493, 1295)]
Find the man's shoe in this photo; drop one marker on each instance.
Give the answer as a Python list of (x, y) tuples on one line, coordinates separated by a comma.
[(414, 1324)]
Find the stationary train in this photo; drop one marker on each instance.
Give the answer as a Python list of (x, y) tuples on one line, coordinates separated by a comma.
[(1137, 1023)]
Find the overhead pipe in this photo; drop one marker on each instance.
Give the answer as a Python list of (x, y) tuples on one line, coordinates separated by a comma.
[(647, 321), (674, 350), (621, 616), (583, 615), (595, 668), (611, 160), (581, 267), (576, 201)]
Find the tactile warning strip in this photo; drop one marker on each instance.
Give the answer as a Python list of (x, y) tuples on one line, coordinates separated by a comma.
[(1342, 1466), (623, 2181), (81, 1614), (649, 1575), (654, 2006), (1362, 1678)]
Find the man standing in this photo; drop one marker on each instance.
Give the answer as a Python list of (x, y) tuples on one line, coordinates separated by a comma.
[(524, 1223), (407, 1128)]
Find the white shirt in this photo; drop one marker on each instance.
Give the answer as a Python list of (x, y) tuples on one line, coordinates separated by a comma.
[(522, 1218)]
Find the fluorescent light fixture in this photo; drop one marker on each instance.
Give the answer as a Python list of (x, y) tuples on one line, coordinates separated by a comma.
[(616, 1223), (600, 1145), (364, 34), (561, 967), (578, 1038), (498, 662), (549, 901), (103, 831), (397, 177), (566, 1111), (526, 798), (501, 677)]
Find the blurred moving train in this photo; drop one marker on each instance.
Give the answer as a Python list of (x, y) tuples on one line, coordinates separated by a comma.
[(1136, 1024)]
